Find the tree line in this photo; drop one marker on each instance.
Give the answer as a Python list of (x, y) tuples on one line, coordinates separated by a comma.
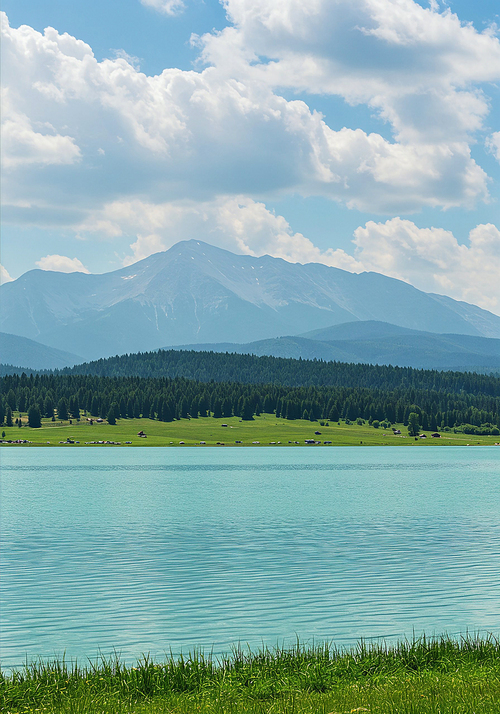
[(68, 396), (251, 369)]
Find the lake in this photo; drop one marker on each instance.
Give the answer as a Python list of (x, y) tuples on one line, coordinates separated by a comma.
[(151, 550)]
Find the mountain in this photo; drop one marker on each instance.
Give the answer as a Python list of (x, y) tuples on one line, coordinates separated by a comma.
[(22, 352), (195, 292), (373, 342)]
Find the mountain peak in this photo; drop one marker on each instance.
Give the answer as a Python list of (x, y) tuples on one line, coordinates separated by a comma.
[(196, 292)]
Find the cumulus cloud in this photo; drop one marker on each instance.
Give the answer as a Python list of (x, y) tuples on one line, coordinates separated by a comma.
[(433, 260), (62, 264), (130, 59), (225, 130), (167, 7), (22, 145), (239, 224), (493, 144), (110, 152), (4, 275), (416, 66)]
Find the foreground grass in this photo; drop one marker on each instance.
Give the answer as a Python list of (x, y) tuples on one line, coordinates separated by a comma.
[(440, 676), (264, 429)]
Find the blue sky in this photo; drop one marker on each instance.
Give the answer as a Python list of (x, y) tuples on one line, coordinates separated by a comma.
[(363, 134)]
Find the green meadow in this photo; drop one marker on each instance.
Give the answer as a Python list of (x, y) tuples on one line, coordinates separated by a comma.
[(267, 430), (440, 676)]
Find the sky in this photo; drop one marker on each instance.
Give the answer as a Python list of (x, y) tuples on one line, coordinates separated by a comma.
[(363, 134)]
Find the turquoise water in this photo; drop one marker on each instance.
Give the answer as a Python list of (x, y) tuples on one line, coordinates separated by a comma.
[(147, 550)]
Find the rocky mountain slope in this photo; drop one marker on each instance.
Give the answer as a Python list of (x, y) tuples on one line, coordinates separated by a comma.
[(195, 292)]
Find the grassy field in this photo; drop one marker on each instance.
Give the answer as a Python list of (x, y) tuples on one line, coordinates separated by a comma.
[(266, 430), (441, 676)]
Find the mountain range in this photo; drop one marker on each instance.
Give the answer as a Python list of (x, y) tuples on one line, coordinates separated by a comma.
[(197, 293), (375, 342)]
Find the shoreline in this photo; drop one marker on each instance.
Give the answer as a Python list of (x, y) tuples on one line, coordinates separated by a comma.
[(426, 675), (263, 431)]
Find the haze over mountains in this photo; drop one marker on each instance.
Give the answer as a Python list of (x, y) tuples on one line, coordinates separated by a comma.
[(197, 293), (22, 352), (377, 343)]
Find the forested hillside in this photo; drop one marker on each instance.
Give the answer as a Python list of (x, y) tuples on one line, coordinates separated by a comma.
[(250, 369), (452, 400)]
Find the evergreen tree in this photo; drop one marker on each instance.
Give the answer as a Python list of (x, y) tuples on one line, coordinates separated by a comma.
[(8, 420), (34, 417), (204, 404), (247, 410), (48, 407), (217, 409), (111, 414), (194, 408), (22, 402), (183, 408), (269, 406), (413, 424), (123, 407), (278, 408), (62, 409), (130, 407), (425, 422), (73, 408), (11, 400), (334, 413), (137, 408), (94, 407), (227, 408)]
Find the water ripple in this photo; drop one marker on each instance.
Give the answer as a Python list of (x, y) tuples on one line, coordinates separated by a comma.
[(142, 562)]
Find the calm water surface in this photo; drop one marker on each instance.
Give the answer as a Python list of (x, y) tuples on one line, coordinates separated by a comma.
[(147, 550)]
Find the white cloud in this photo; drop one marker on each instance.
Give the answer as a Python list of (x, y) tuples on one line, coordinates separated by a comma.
[(143, 247), (102, 148), (4, 275), (61, 264), (433, 260), (167, 7), (415, 66), (236, 223), (493, 144), (131, 59), (22, 145), (200, 135)]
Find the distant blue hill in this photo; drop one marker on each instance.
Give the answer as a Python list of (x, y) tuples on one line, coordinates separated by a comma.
[(22, 352), (376, 342)]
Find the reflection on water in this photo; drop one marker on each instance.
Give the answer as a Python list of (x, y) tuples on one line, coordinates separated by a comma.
[(151, 550)]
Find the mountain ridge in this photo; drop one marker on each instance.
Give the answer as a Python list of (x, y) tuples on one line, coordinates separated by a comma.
[(374, 342), (198, 293)]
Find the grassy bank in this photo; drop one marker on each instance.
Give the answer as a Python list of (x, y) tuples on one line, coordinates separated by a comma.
[(441, 676), (263, 429)]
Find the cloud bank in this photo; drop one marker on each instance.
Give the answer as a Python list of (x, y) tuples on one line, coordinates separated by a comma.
[(111, 153), (226, 129)]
